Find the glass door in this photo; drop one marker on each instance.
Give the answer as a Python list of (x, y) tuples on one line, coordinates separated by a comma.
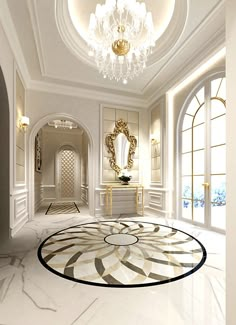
[(203, 157)]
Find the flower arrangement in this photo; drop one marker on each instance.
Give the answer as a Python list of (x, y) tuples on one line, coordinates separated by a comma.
[(124, 176)]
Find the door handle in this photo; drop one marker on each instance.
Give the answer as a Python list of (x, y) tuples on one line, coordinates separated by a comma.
[(206, 185)]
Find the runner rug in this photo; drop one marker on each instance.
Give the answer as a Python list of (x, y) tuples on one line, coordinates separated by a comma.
[(62, 208)]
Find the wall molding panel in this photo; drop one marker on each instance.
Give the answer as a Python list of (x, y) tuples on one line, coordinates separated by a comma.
[(19, 203), (156, 200)]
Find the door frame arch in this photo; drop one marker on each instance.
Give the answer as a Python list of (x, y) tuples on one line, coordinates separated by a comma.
[(91, 168)]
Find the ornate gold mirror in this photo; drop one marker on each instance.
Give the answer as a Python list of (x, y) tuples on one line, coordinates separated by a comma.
[(121, 145)]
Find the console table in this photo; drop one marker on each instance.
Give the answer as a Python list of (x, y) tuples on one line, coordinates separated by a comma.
[(138, 188)]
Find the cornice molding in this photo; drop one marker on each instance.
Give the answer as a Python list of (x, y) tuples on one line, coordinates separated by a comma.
[(37, 33), (9, 29), (101, 97)]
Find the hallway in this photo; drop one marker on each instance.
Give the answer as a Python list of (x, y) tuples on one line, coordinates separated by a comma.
[(41, 297)]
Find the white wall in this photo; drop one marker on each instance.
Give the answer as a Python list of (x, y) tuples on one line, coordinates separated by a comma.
[(18, 192), (231, 163)]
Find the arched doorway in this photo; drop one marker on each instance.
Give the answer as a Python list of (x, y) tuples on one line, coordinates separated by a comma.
[(4, 163), (36, 128)]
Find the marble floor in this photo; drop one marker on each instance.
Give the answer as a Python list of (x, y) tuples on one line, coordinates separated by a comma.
[(32, 295)]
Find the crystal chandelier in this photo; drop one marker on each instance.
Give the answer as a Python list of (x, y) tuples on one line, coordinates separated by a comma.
[(120, 37), (63, 124)]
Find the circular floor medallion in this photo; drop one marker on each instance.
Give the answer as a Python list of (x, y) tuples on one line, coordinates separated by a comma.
[(121, 239), (122, 253)]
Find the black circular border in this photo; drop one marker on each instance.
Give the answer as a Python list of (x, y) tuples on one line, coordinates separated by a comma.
[(137, 239), (199, 265)]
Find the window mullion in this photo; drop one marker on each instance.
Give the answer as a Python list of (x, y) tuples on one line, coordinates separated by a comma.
[(207, 153)]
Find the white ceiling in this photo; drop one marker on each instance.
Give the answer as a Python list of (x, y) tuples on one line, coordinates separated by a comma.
[(55, 54)]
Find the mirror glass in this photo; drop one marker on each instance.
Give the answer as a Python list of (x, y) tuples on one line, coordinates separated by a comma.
[(121, 145)]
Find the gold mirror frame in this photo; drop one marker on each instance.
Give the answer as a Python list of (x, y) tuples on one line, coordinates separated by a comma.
[(120, 127)]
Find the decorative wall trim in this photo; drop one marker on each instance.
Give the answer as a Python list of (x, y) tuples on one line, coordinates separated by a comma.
[(20, 212), (156, 212), (20, 223), (111, 98), (49, 199), (36, 30), (21, 107)]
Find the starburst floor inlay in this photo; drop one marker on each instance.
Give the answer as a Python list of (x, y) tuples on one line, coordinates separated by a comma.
[(122, 253)]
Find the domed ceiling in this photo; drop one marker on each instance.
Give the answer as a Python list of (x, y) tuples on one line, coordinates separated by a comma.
[(169, 18), (50, 40)]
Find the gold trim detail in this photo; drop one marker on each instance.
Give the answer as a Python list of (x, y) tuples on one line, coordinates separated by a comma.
[(120, 127), (120, 47)]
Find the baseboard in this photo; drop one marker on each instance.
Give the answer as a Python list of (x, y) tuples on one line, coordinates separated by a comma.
[(156, 212)]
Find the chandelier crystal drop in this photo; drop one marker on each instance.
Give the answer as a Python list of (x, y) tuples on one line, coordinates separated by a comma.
[(62, 124), (121, 37)]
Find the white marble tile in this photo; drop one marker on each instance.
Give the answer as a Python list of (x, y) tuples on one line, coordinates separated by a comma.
[(30, 294)]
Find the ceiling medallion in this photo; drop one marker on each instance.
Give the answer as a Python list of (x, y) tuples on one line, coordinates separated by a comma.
[(121, 37)]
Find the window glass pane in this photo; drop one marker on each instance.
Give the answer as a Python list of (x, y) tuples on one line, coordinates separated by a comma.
[(217, 108), (218, 201), (201, 95), (198, 162), (198, 188), (218, 132), (193, 106), (187, 209), (215, 84), (218, 160), (187, 141), (199, 199), (187, 164), (187, 187), (200, 116), (222, 90), (218, 189), (187, 122), (198, 137)]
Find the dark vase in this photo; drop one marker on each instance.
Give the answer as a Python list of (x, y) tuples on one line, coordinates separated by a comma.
[(124, 180)]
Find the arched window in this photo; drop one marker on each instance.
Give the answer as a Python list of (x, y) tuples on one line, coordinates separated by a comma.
[(203, 151)]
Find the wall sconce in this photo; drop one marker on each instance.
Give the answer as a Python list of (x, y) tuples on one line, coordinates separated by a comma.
[(154, 139), (24, 122)]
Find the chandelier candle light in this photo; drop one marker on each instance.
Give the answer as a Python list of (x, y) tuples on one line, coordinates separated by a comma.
[(120, 37)]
